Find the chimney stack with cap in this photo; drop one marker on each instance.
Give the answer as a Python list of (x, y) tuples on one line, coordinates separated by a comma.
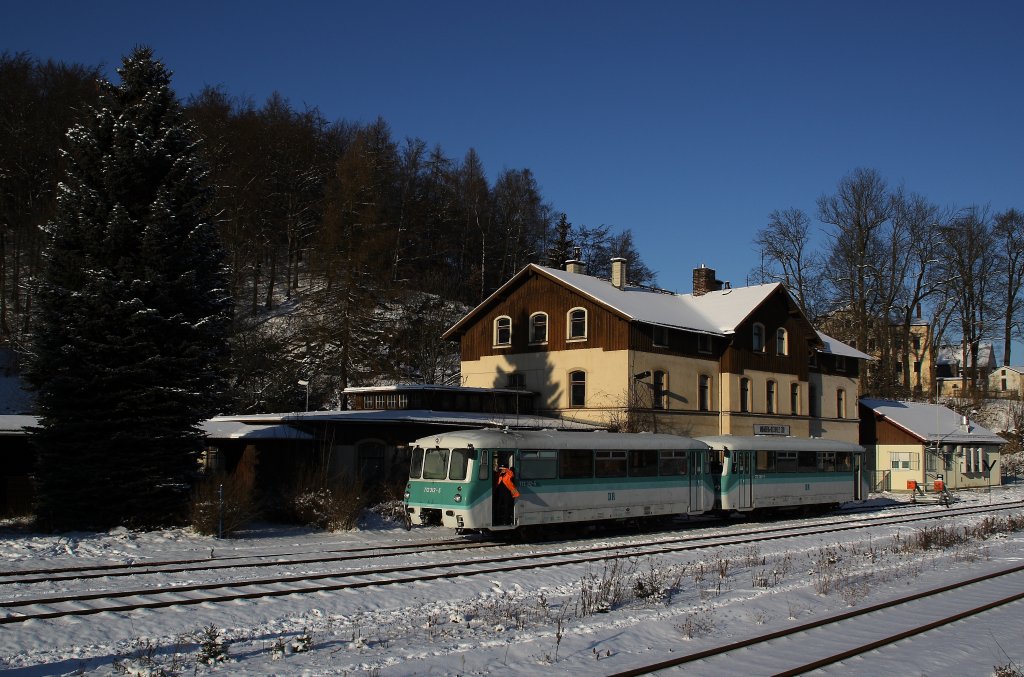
[(704, 281), (619, 272), (575, 265)]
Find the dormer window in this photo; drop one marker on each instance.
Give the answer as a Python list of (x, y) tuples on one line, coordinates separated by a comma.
[(503, 331), (539, 328), (577, 324), (841, 363), (703, 343), (758, 337)]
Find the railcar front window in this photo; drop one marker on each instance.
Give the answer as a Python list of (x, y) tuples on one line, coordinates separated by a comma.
[(416, 464), (435, 464), (460, 463)]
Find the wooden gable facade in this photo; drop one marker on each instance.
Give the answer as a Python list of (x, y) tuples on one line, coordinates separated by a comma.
[(534, 293)]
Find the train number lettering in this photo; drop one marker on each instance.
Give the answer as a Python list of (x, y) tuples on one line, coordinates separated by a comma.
[(611, 495), (431, 490)]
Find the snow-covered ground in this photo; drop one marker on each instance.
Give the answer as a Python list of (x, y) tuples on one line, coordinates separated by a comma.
[(524, 623)]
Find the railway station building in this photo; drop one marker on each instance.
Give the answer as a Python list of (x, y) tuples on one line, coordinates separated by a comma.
[(719, 360), (915, 444)]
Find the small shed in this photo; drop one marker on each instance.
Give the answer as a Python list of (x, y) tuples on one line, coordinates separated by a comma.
[(914, 444)]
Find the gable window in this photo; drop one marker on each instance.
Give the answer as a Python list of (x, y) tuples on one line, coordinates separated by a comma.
[(661, 337), (703, 343), (539, 328), (744, 394), (577, 389), (794, 399), (503, 331), (577, 324), (659, 390), (770, 397), (840, 403), (758, 337), (840, 363), (704, 393), (781, 342)]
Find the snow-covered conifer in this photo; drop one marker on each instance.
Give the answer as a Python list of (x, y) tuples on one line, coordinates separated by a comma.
[(132, 315)]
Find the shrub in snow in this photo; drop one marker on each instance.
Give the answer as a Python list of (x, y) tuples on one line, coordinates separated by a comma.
[(213, 646), (324, 502)]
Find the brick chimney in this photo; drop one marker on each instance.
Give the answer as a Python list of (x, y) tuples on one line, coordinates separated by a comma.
[(704, 281), (619, 272), (575, 265)]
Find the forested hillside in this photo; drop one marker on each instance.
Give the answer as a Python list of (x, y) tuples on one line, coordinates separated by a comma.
[(350, 250)]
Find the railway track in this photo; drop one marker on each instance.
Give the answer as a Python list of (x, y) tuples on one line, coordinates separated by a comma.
[(858, 632), (19, 610)]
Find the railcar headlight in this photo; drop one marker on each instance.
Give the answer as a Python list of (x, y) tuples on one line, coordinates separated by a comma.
[(458, 498), (407, 495)]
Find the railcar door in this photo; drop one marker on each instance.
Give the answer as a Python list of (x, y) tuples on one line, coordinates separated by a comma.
[(502, 504), (743, 477), (858, 472)]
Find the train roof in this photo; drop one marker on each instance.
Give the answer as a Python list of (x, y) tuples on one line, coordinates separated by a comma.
[(778, 443), (556, 439)]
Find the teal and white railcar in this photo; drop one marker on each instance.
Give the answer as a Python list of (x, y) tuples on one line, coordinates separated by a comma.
[(768, 472), (562, 477)]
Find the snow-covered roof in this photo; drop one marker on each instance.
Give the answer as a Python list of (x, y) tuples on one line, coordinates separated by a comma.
[(836, 347), (461, 418), (954, 354), (932, 423), (234, 430), (419, 387), (715, 312)]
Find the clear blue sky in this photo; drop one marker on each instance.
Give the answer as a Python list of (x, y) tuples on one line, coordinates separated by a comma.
[(686, 122)]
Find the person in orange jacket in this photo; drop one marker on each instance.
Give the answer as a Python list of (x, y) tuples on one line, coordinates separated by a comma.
[(506, 478)]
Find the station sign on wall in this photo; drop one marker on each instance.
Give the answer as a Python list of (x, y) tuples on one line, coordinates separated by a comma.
[(767, 429)]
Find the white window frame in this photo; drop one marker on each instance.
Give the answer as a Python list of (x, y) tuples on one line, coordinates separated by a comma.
[(781, 341), (534, 341), (497, 332), (758, 338), (569, 323), (570, 390)]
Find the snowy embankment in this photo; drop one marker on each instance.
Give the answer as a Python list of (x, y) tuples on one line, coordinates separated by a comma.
[(571, 619)]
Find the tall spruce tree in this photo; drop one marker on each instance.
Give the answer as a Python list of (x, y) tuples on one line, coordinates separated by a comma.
[(133, 315)]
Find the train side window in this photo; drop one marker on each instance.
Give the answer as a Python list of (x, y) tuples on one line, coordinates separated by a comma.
[(576, 463), (827, 461), (844, 461), (765, 462), (538, 464), (435, 464), (673, 463), (786, 461), (643, 462), (610, 463), (808, 461), (460, 463), (416, 464)]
